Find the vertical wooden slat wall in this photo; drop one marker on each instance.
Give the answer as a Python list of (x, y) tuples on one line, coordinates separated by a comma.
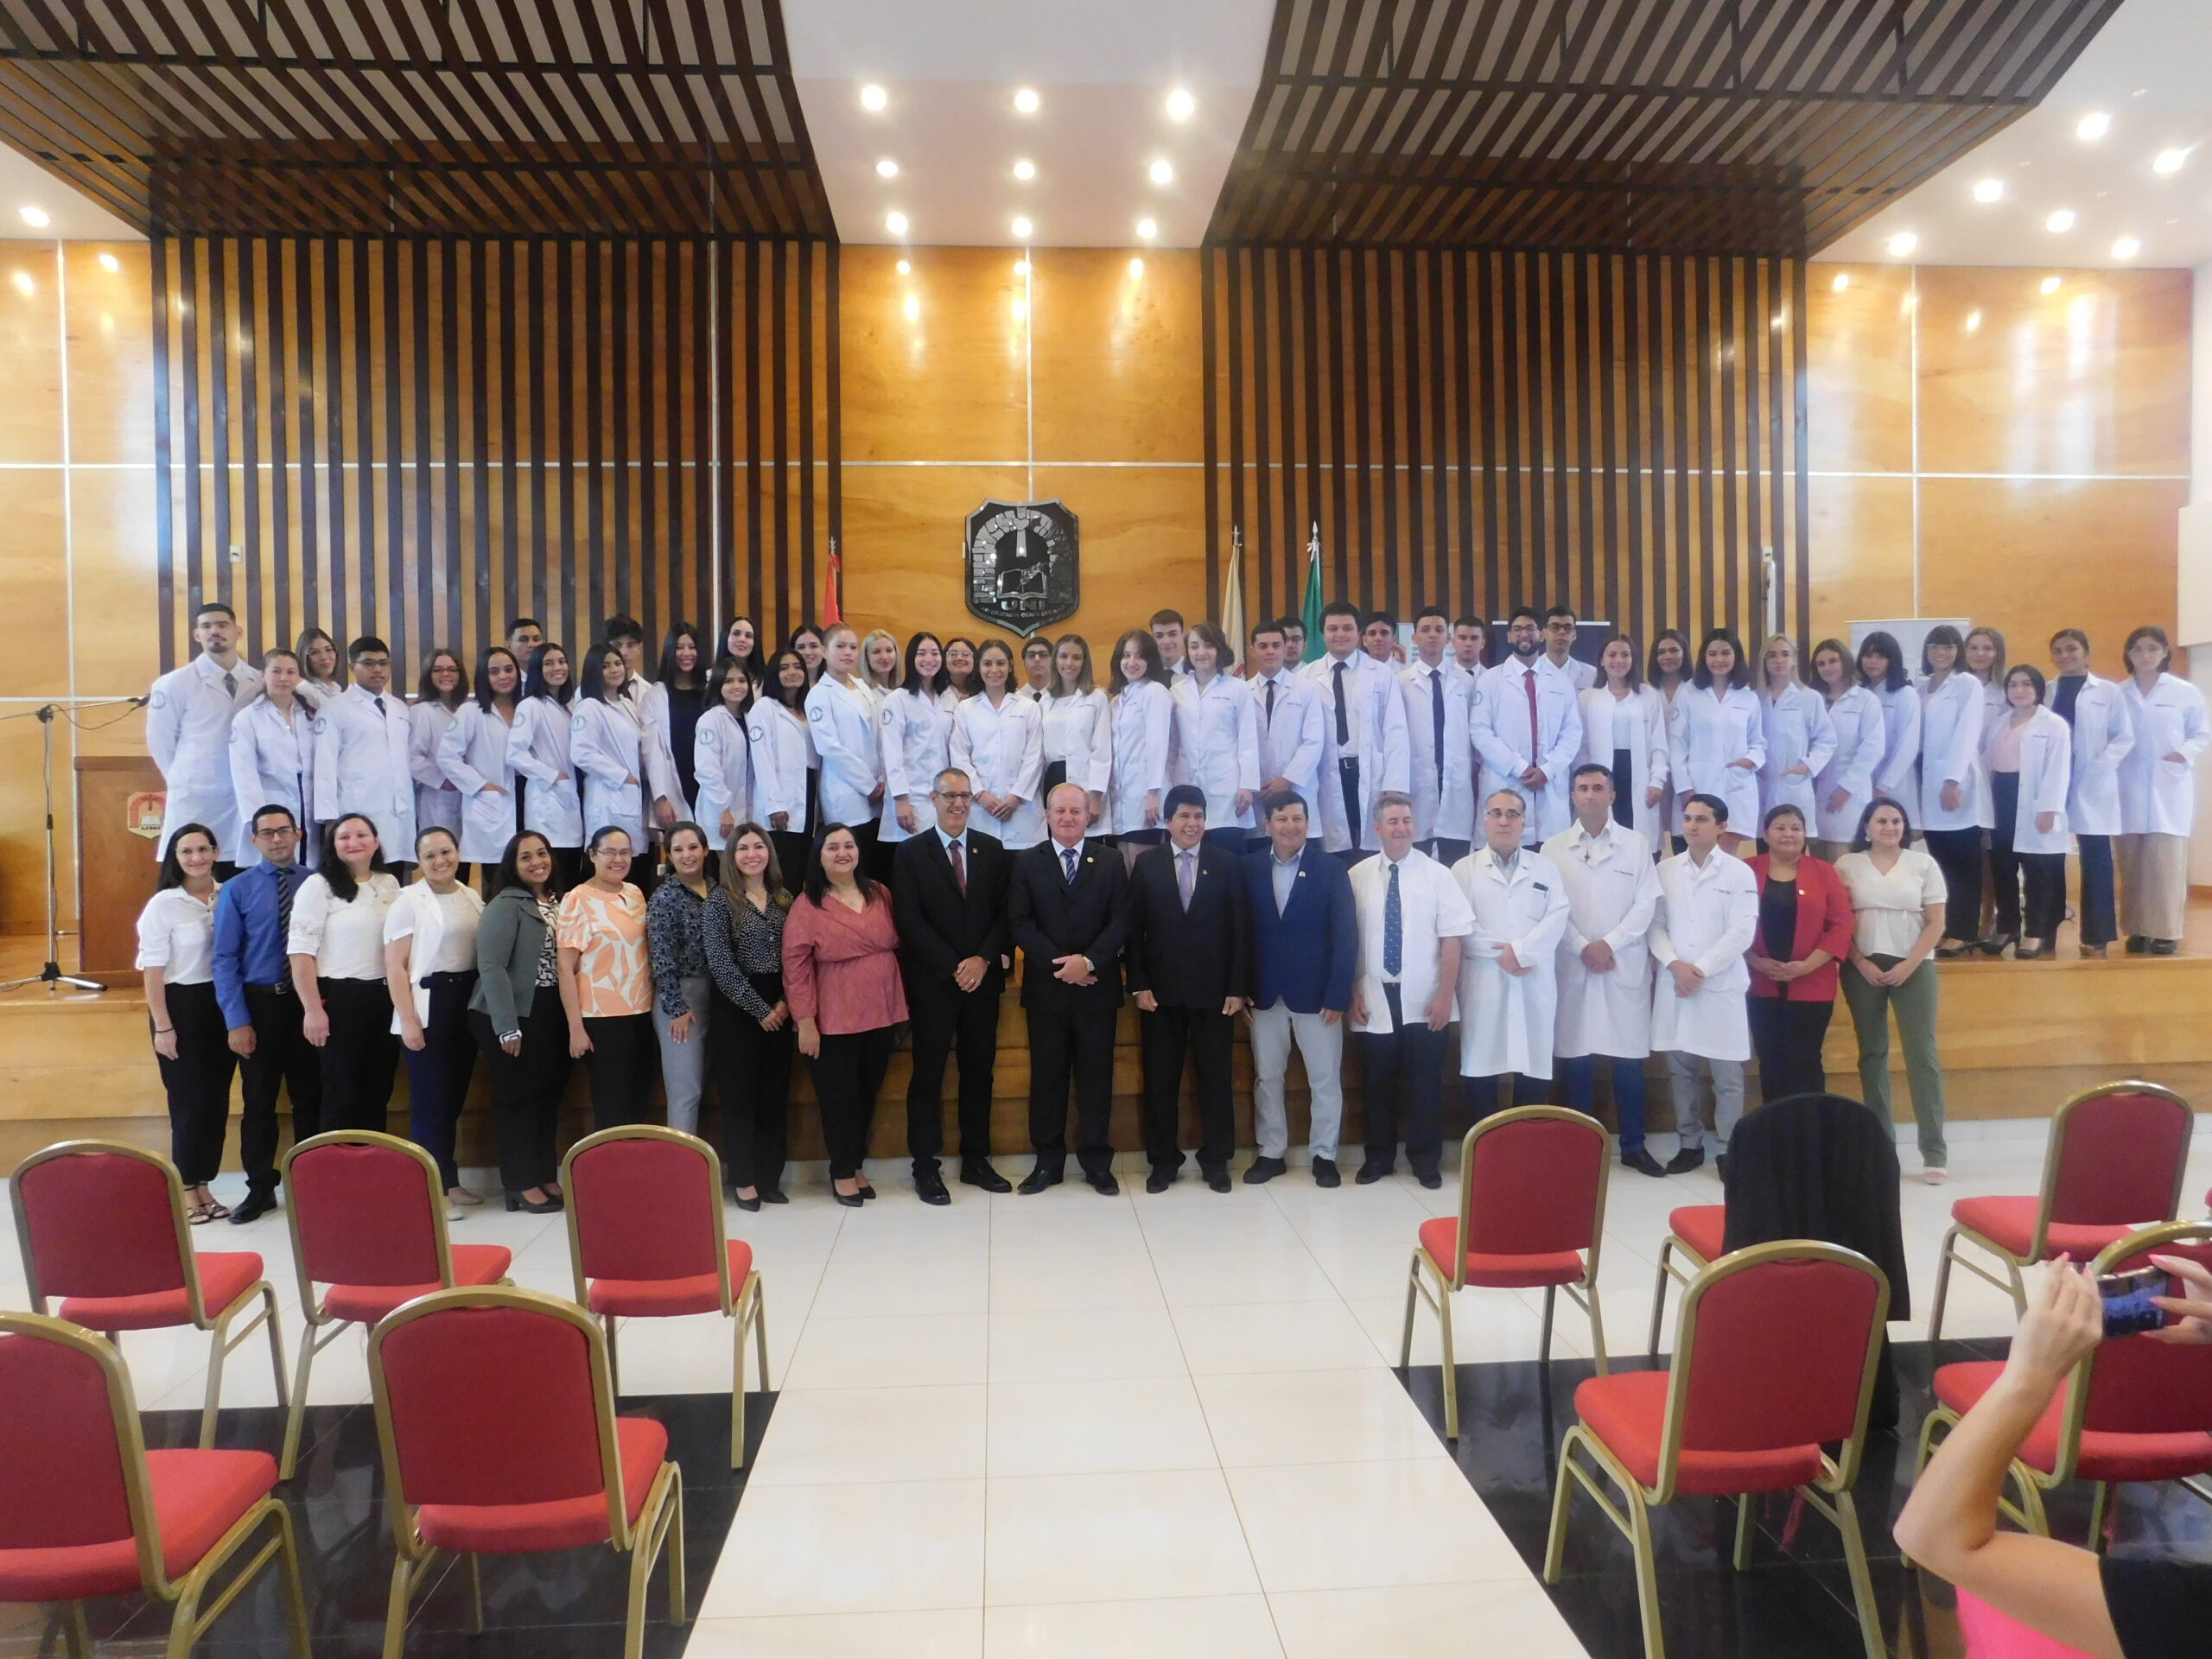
[(1483, 429), (420, 438)]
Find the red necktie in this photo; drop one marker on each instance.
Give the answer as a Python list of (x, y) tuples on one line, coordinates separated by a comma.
[(959, 867), (1535, 742)]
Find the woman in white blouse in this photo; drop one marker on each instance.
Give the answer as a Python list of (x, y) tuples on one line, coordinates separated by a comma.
[(721, 754), (1624, 730), (272, 748), (1218, 736), (337, 950), (782, 750), (472, 755), (1669, 676), (429, 964), (1144, 716), (841, 717), (1843, 786), (1799, 738), (1951, 718), (2157, 794), (1719, 741), (438, 699), (1897, 904), (879, 665), (537, 749), (176, 960), (2028, 759), (915, 732), (608, 740), (998, 740), (1078, 726)]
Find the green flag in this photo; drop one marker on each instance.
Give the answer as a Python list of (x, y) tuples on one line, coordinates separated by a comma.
[(1310, 616)]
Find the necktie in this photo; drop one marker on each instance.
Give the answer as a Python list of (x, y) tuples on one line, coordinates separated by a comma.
[(1535, 742), (1271, 703), (959, 867), (1067, 861), (1187, 874), (230, 685), (284, 908), (1436, 721), (1394, 929), (1343, 721), (382, 712)]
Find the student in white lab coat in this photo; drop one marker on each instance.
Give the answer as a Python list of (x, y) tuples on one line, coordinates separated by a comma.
[(1799, 738), (721, 753), (1078, 726), (1439, 745), (1624, 731), (880, 667), (1364, 733), (840, 716), (2103, 734), (660, 782), (1951, 816), (1036, 670), (438, 697), (1669, 674), (1218, 736), (1718, 742), (272, 748), (1144, 727), (1605, 964), (606, 740), (1528, 739), (1509, 966), (783, 751), (1289, 709), (472, 755), (915, 733), (1882, 672), (1560, 626), (998, 740), (537, 749), (361, 750), (1843, 786), (2157, 795), (1708, 916), (1471, 646), (189, 718), (322, 666), (2028, 759)]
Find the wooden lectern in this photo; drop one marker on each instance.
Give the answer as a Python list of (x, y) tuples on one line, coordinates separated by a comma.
[(119, 803)]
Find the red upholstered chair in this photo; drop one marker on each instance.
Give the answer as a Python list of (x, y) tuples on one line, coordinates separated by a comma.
[(2134, 1409), (1532, 1212), (1775, 1359), (89, 1511), (1693, 1235), (646, 1241), (495, 1411), (102, 1226), (368, 1218), (2115, 1162)]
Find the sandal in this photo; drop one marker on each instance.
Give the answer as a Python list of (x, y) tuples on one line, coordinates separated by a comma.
[(216, 1209), (200, 1214)]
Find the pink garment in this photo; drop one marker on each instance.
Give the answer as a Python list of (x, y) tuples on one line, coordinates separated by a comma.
[(841, 966), (1991, 1635)]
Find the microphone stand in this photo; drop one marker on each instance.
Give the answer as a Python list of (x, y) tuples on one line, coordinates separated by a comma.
[(51, 975)]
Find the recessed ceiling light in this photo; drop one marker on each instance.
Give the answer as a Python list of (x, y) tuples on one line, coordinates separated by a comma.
[(1180, 104), (895, 223), (2049, 285), (1026, 100), (1022, 227), (1973, 320), (1902, 243), (109, 262), (2093, 126), (1161, 171), (1989, 190), (1024, 170), (1842, 280), (2061, 221), (1147, 228), (2169, 161), (913, 309), (905, 267), (37, 218), (874, 98), (1136, 267), (2127, 247), (886, 169)]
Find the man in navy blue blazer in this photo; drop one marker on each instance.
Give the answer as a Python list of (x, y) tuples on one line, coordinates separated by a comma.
[(1305, 946)]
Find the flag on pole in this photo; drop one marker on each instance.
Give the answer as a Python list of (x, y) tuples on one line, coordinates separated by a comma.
[(1232, 594), (1310, 616), (833, 600)]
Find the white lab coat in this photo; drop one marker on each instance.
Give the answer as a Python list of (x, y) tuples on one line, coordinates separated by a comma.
[(537, 751), (417, 904), (1670, 811), (1581, 675), (1217, 745), (1291, 740), (841, 719), (1144, 728), (1376, 715), (1612, 892), (1707, 917), (1637, 723), (783, 753), (1443, 786), (607, 746), (1711, 732), (272, 763), (1500, 725), (722, 764), (1506, 1021), (1798, 732), (472, 755), (662, 779), (915, 735), (1002, 750), (1432, 907), (189, 719), (2046, 768), (1079, 734), (2158, 797), (437, 804), (1896, 773), (2103, 734), (1950, 744), (1856, 719), (362, 764)]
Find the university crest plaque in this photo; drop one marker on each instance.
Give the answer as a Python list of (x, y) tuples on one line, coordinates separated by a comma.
[(1022, 564)]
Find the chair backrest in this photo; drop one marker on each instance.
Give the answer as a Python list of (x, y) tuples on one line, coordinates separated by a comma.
[(100, 1218), (1778, 1348), (2135, 1385), (494, 1395), (366, 1208), (643, 1203), (1532, 1181), (2116, 1156), (72, 1461)]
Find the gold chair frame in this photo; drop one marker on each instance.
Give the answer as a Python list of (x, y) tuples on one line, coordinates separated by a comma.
[(1830, 1493), (748, 1308), (660, 1520), (191, 1620), (1426, 1282), (1673, 1248), (195, 1301)]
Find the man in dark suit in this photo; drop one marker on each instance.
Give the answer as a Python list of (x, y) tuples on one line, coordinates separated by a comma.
[(948, 890), (1187, 969), (1305, 951), (1067, 903)]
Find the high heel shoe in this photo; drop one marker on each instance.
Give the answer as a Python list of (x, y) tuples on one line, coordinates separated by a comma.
[(1995, 945), (747, 1205), (851, 1200), (535, 1207), (774, 1195), (2043, 952)]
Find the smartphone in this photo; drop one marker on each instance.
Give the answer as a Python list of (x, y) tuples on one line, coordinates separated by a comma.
[(2128, 1308)]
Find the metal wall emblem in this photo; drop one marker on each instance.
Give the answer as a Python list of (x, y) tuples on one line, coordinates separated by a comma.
[(1022, 571)]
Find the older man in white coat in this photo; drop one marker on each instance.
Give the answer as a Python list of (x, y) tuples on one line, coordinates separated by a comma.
[(1605, 959), (1708, 915), (1509, 988), (1527, 728)]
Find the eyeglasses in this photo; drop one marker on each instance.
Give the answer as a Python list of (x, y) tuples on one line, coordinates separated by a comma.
[(278, 833), (963, 795)]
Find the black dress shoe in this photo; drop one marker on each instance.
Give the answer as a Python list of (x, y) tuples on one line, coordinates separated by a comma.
[(1370, 1173), (866, 1191), (1687, 1159), (1104, 1184), (254, 1206), (746, 1205), (851, 1200), (1038, 1178), (2137, 944), (1265, 1169), (1429, 1178), (1642, 1162), (1160, 1180), (546, 1206), (774, 1195), (929, 1187), (2162, 947), (984, 1176), (1324, 1173), (1217, 1180)]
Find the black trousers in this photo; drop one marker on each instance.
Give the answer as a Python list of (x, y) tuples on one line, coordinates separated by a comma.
[(1071, 1045), (1787, 1035), (359, 1060), (624, 1054), (1957, 853), (1486, 1095), (2099, 909), (965, 1022), (848, 1076), (1207, 1035), (283, 1060), (2044, 873), (794, 852), (1348, 786), (752, 1075), (526, 1091), (1444, 849), (197, 1083), (438, 1072), (1409, 1059)]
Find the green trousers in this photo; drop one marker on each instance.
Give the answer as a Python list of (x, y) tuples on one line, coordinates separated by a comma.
[(1913, 1004)]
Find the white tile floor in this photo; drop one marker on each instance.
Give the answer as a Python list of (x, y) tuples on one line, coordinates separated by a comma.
[(1070, 1425)]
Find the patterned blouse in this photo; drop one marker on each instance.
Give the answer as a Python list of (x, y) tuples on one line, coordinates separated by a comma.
[(741, 948), (607, 930), (549, 952), (673, 918)]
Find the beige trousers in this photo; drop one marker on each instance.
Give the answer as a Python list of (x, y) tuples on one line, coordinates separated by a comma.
[(2153, 886)]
